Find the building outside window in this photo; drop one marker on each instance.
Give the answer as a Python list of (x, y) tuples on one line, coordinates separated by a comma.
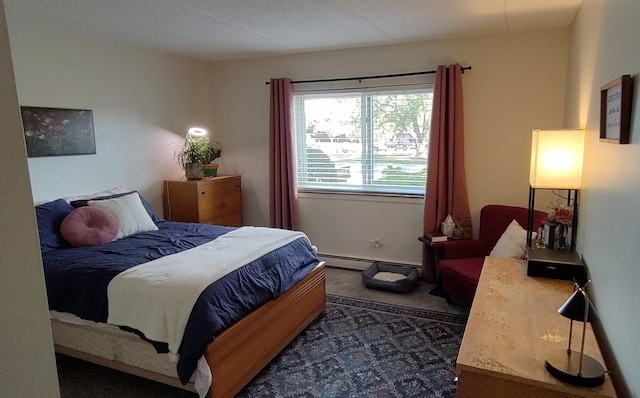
[(367, 142)]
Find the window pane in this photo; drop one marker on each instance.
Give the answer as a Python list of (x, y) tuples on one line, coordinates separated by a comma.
[(401, 125), (363, 142)]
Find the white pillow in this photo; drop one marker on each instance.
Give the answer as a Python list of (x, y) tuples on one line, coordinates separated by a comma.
[(106, 192), (69, 199), (512, 243), (130, 213)]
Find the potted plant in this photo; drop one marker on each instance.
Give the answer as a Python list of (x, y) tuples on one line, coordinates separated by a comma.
[(195, 154)]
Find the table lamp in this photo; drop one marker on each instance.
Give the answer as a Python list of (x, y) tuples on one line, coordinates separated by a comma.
[(556, 163), (570, 366)]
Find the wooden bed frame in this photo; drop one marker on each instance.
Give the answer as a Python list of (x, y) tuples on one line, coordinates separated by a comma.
[(242, 351)]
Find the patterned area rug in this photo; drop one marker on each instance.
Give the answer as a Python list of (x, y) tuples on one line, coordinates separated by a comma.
[(366, 349)]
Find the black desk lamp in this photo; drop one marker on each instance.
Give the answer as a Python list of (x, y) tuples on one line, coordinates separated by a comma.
[(569, 366)]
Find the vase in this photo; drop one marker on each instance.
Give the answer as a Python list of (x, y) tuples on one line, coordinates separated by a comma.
[(211, 170), (561, 237), (193, 171)]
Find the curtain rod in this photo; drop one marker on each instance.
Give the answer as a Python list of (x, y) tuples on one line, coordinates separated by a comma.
[(340, 79)]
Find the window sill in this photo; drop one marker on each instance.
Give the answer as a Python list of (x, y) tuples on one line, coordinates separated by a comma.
[(310, 193)]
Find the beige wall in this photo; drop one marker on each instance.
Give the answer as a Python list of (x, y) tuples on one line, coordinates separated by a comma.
[(143, 102), (27, 366), (517, 84), (604, 45)]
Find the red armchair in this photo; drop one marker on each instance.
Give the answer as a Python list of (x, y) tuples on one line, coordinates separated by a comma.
[(461, 260)]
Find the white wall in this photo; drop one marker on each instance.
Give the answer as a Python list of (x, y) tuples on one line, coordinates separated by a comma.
[(517, 84), (604, 46), (27, 366), (142, 101)]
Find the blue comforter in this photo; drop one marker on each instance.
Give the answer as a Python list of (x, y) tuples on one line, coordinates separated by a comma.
[(77, 280)]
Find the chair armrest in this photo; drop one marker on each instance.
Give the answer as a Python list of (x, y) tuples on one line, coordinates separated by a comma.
[(465, 248)]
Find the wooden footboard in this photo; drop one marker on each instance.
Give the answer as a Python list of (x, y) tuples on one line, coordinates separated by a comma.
[(238, 354), (235, 357)]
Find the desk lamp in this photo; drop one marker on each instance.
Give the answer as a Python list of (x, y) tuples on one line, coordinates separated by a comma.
[(574, 367)]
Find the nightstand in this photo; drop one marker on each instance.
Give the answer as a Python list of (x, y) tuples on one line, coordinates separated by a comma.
[(211, 200)]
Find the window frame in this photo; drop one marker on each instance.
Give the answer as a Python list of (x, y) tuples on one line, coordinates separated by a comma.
[(364, 189)]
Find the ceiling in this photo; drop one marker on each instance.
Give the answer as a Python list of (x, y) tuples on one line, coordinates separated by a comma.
[(231, 29)]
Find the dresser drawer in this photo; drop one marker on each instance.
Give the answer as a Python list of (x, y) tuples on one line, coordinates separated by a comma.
[(216, 200), (221, 202)]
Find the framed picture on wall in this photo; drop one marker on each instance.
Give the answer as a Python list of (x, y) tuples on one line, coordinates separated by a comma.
[(58, 132), (615, 110)]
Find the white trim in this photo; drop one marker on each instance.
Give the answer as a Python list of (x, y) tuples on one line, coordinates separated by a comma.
[(359, 264)]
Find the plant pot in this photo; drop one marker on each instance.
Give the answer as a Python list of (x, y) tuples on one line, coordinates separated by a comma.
[(193, 171), (210, 170)]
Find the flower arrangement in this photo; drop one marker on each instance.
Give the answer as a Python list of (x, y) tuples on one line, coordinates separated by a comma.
[(556, 231), (561, 214)]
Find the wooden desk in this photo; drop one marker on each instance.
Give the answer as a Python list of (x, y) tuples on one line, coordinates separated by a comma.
[(512, 324)]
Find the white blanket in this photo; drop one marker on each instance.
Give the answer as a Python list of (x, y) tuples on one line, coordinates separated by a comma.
[(156, 298)]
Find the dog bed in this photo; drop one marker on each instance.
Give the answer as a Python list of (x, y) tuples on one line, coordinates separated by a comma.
[(390, 277)]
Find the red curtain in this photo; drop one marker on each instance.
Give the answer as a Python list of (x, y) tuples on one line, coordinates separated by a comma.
[(446, 190), (283, 195)]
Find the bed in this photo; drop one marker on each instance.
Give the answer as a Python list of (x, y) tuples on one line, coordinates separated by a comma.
[(225, 300)]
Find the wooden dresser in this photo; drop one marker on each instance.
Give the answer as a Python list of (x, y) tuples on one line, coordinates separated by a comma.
[(512, 324), (212, 200)]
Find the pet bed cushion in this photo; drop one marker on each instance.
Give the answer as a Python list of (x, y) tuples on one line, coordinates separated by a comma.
[(389, 277)]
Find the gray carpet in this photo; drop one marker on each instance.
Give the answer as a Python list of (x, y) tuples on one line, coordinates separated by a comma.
[(419, 313), (348, 283)]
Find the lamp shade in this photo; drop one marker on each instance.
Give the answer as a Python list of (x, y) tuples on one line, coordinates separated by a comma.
[(556, 159), (574, 307)]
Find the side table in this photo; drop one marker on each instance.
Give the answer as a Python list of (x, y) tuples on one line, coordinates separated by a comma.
[(431, 255)]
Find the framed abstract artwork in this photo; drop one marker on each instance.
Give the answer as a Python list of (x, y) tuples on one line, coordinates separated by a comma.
[(58, 132), (615, 110)]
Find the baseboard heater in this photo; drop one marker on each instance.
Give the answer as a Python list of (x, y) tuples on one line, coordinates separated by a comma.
[(359, 264)]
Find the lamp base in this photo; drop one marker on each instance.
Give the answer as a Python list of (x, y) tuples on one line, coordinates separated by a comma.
[(564, 366)]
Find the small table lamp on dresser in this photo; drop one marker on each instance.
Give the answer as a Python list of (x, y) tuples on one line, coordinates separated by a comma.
[(556, 164)]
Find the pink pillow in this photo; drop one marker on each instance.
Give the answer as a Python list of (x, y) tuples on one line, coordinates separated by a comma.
[(89, 226)]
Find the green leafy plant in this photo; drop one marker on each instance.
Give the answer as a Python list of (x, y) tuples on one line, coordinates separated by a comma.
[(200, 150)]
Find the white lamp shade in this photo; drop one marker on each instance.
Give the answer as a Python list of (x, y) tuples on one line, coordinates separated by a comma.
[(556, 159)]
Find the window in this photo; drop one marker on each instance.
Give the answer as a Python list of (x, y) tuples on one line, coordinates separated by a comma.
[(365, 142)]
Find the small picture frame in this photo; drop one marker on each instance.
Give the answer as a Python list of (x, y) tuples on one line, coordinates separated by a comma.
[(615, 110)]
